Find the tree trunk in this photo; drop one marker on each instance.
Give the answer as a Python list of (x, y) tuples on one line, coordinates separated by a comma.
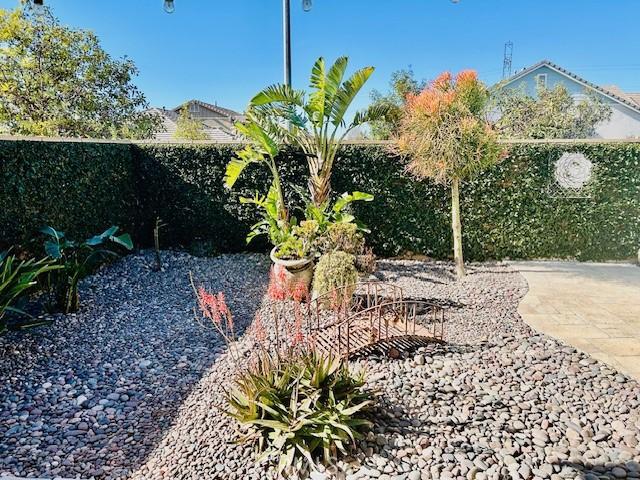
[(456, 224)]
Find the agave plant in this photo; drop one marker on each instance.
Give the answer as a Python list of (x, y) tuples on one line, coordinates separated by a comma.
[(302, 408), (315, 122), (16, 278), (77, 259)]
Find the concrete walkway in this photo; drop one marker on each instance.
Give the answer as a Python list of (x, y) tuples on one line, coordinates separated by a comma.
[(594, 307)]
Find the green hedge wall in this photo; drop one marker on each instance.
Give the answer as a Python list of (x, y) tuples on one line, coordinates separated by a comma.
[(79, 187), (508, 211)]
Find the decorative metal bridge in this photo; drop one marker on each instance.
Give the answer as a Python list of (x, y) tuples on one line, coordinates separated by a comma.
[(358, 319)]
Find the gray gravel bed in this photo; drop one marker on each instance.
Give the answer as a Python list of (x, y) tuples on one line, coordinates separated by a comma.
[(496, 401), (92, 394), (481, 306)]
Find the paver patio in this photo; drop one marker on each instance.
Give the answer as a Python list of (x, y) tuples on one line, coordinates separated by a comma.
[(593, 306)]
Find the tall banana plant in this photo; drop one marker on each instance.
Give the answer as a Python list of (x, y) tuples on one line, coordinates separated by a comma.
[(316, 121)]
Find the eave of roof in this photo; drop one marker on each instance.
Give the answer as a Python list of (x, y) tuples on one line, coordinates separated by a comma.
[(546, 63), (222, 111)]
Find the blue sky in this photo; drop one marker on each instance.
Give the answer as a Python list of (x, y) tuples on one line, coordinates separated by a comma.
[(225, 50)]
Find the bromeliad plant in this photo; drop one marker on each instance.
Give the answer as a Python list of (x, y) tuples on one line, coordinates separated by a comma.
[(17, 277), (302, 408), (77, 259)]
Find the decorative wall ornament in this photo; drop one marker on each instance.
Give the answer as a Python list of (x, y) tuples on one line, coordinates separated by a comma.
[(572, 173)]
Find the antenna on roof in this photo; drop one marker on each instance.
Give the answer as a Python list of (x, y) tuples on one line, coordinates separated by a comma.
[(507, 59)]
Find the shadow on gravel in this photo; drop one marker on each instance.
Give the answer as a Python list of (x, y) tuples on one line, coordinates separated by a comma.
[(630, 469), (98, 390), (441, 302), (438, 274)]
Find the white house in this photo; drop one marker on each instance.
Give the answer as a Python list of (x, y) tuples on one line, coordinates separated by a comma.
[(625, 118)]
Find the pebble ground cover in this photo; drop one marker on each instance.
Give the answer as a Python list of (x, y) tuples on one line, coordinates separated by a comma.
[(130, 387)]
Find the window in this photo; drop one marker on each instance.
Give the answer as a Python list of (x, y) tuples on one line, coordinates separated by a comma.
[(541, 80)]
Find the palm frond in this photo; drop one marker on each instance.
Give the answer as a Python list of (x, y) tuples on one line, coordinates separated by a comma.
[(371, 114), (347, 92), (278, 93)]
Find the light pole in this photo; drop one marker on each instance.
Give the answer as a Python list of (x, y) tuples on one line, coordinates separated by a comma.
[(286, 40)]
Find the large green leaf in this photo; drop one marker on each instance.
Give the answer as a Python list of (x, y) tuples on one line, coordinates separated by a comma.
[(278, 93), (372, 114), (52, 232), (346, 198), (316, 106), (236, 166), (52, 249), (123, 240), (347, 92), (100, 239), (255, 132), (333, 82)]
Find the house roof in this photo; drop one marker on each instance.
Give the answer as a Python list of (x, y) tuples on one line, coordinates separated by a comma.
[(220, 110), (218, 127), (628, 99)]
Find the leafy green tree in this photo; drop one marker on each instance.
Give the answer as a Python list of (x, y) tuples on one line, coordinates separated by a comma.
[(553, 113), (444, 133), (402, 83), (57, 81), (315, 122), (189, 128)]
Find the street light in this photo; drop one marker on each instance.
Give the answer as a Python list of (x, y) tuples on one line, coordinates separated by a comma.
[(169, 6), (38, 6)]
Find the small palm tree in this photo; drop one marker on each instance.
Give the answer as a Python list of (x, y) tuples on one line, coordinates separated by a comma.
[(447, 138), (315, 122)]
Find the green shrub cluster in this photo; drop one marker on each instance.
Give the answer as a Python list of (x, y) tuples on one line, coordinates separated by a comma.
[(79, 187), (508, 211), (334, 270)]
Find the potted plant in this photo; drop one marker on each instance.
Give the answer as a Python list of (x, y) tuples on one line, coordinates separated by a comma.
[(293, 257), (313, 122)]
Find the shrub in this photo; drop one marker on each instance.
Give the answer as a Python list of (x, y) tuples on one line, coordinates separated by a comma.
[(334, 270), (16, 279), (366, 261), (77, 259), (341, 236), (77, 186), (509, 210), (302, 408)]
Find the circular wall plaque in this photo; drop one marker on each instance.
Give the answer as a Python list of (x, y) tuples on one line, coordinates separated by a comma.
[(573, 170)]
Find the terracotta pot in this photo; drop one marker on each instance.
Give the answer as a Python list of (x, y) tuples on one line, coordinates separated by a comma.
[(295, 271)]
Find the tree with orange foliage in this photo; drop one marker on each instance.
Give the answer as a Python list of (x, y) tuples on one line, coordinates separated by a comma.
[(447, 138)]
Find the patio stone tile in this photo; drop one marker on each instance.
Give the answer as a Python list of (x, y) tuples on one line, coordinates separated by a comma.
[(538, 309), (593, 307), (579, 331), (630, 365), (624, 347), (619, 331)]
